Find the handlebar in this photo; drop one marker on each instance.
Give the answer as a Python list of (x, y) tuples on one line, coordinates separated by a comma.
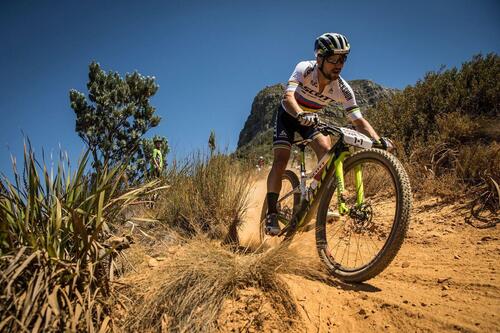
[(327, 129)]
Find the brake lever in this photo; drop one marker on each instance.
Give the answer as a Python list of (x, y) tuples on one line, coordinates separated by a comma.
[(389, 145)]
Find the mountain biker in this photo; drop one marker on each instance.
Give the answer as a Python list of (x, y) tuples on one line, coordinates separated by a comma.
[(313, 85), (157, 163)]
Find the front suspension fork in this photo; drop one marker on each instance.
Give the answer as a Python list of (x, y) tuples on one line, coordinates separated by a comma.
[(358, 181)]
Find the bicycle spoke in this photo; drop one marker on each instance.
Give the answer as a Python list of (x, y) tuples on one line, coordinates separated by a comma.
[(357, 251), (286, 196), (374, 251), (338, 242), (348, 246), (286, 206), (338, 229)]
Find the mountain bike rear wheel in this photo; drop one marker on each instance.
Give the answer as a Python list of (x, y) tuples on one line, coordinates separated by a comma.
[(359, 245), (287, 205)]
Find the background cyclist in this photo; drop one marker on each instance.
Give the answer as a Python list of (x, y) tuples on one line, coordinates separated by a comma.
[(157, 162)]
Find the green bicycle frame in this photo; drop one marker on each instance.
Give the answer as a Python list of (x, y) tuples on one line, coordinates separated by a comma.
[(338, 155)]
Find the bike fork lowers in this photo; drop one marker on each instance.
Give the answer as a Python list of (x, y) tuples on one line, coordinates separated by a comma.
[(358, 181)]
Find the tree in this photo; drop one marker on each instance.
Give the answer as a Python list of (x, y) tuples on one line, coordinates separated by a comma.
[(116, 116), (211, 142)]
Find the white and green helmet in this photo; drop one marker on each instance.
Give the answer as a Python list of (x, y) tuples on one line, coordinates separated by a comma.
[(331, 43)]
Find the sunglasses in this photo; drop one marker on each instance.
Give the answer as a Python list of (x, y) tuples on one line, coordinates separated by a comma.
[(336, 58)]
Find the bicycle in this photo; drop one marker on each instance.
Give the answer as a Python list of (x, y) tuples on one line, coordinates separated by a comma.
[(372, 202)]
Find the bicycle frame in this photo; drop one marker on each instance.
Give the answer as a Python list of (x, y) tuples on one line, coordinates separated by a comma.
[(334, 167)]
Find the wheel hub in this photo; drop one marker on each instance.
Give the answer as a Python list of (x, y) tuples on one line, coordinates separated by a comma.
[(362, 217)]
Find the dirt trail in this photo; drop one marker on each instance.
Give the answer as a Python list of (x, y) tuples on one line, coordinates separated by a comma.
[(445, 278)]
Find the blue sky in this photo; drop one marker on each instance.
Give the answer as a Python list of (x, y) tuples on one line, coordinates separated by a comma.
[(210, 58)]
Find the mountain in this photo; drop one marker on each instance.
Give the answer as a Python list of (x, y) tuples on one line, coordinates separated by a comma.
[(256, 136)]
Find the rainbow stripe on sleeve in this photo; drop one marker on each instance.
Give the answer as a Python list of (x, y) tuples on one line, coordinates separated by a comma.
[(306, 104)]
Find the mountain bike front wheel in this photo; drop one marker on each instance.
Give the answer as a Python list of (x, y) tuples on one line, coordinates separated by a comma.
[(288, 202), (363, 241)]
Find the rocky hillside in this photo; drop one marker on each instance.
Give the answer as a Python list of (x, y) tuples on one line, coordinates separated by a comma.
[(256, 135)]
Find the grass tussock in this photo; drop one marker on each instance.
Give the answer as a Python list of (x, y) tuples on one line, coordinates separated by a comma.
[(53, 250), (207, 195), (188, 292)]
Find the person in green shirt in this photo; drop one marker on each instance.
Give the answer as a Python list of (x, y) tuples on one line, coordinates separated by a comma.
[(157, 163)]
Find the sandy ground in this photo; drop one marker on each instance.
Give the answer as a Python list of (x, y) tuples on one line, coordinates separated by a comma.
[(445, 278)]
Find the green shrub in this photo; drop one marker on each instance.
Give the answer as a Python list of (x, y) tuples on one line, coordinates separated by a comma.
[(447, 125)]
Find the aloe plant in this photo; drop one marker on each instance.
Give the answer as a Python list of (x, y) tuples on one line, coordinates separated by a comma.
[(52, 227)]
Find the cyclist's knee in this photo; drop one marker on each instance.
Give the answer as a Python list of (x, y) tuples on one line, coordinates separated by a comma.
[(321, 145)]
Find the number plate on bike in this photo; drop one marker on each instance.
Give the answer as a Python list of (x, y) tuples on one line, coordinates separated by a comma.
[(354, 138)]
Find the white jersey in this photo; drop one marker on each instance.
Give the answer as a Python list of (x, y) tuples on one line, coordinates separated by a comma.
[(304, 84)]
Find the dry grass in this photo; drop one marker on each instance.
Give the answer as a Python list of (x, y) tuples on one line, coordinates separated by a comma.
[(207, 195), (42, 294), (188, 292)]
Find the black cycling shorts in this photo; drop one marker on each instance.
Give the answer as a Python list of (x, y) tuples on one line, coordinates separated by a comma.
[(285, 127)]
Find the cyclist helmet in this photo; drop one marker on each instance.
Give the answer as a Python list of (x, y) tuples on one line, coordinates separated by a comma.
[(331, 43)]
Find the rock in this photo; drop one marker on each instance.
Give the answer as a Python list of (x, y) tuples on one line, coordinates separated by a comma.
[(405, 264), (423, 304), (441, 280), (119, 243), (364, 297), (153, 262), (259, 123), (362, 312), (434, 234), (445, 287), (456, 256), (405, 301), (161, 258)]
